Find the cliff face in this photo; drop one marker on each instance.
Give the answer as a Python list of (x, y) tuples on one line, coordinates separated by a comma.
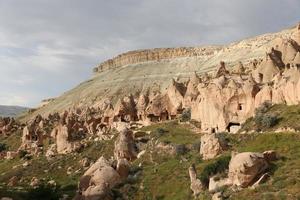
[(158, 54)]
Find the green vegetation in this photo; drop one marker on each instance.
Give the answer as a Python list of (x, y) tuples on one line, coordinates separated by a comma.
[(45, 192), (285, 173), (13, 141), (173, 132), (264, 120), (158, 175), (43, 169), (3, 147), (166, 176), (219, 166), (270, 118), (186, 115)]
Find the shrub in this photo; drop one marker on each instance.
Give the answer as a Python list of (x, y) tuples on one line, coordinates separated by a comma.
[(219, 166), (269, 121), (264, 120), (180, 149), (265, 106), (160, 132), (3, 147), (22, 153), (186, 115), (45, 192), (196, 146)]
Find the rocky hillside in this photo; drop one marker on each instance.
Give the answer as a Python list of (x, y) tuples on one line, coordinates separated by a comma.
[(11, 111), (138, 71), (146, 127)]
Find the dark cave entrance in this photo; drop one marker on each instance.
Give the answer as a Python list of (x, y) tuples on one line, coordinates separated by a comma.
[(232, 126)]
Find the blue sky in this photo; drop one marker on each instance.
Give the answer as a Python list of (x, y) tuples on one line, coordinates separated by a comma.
[(50, 46)]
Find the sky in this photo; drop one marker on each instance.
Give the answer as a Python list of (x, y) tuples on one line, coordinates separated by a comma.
[(49, 46)]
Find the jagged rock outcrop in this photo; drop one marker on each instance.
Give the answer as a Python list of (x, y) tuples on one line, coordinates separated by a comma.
[(221, 71), (125, 109), (125, 146), (8, 125), (196, 185), (68, 133), (33, 135), (266, 70), (191, 90)]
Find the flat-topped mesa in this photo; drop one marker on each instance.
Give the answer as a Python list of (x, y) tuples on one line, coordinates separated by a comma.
[(157, 54)]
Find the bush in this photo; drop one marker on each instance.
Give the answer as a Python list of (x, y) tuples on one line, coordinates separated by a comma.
[(3, 147), (22, 153), (219, 166), (180, 149), (160, 132), (186, 115), (45, 192), (196, 146), (265, 106), (269, 121), (264, 120)]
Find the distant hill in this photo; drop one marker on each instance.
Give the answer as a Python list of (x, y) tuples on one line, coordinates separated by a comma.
[(11, 111)]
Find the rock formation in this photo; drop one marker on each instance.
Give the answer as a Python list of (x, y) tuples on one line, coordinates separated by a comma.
[(196, 185), (246, 168), (124, 146), (139, 56), (220, 102), (33, 135), (8, 125), (97, 181), (211, 146)]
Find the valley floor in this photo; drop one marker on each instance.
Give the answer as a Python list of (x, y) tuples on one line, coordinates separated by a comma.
[(161, 175)]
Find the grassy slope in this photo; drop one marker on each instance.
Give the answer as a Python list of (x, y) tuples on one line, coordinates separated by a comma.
[(55, 169), (289, 116), (166, 176)]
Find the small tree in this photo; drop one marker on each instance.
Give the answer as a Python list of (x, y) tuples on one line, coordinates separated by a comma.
[(22, 153), (3, 147), (186, 115)]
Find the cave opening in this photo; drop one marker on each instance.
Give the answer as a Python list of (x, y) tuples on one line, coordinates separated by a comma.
[(233, 127)]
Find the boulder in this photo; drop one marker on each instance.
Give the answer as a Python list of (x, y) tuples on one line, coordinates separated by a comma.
[(217, 196), (125, 146), (211, 146), (123, 167), (246, 168), (35, 182), (97, 181), (12, 181), (216, 184)]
